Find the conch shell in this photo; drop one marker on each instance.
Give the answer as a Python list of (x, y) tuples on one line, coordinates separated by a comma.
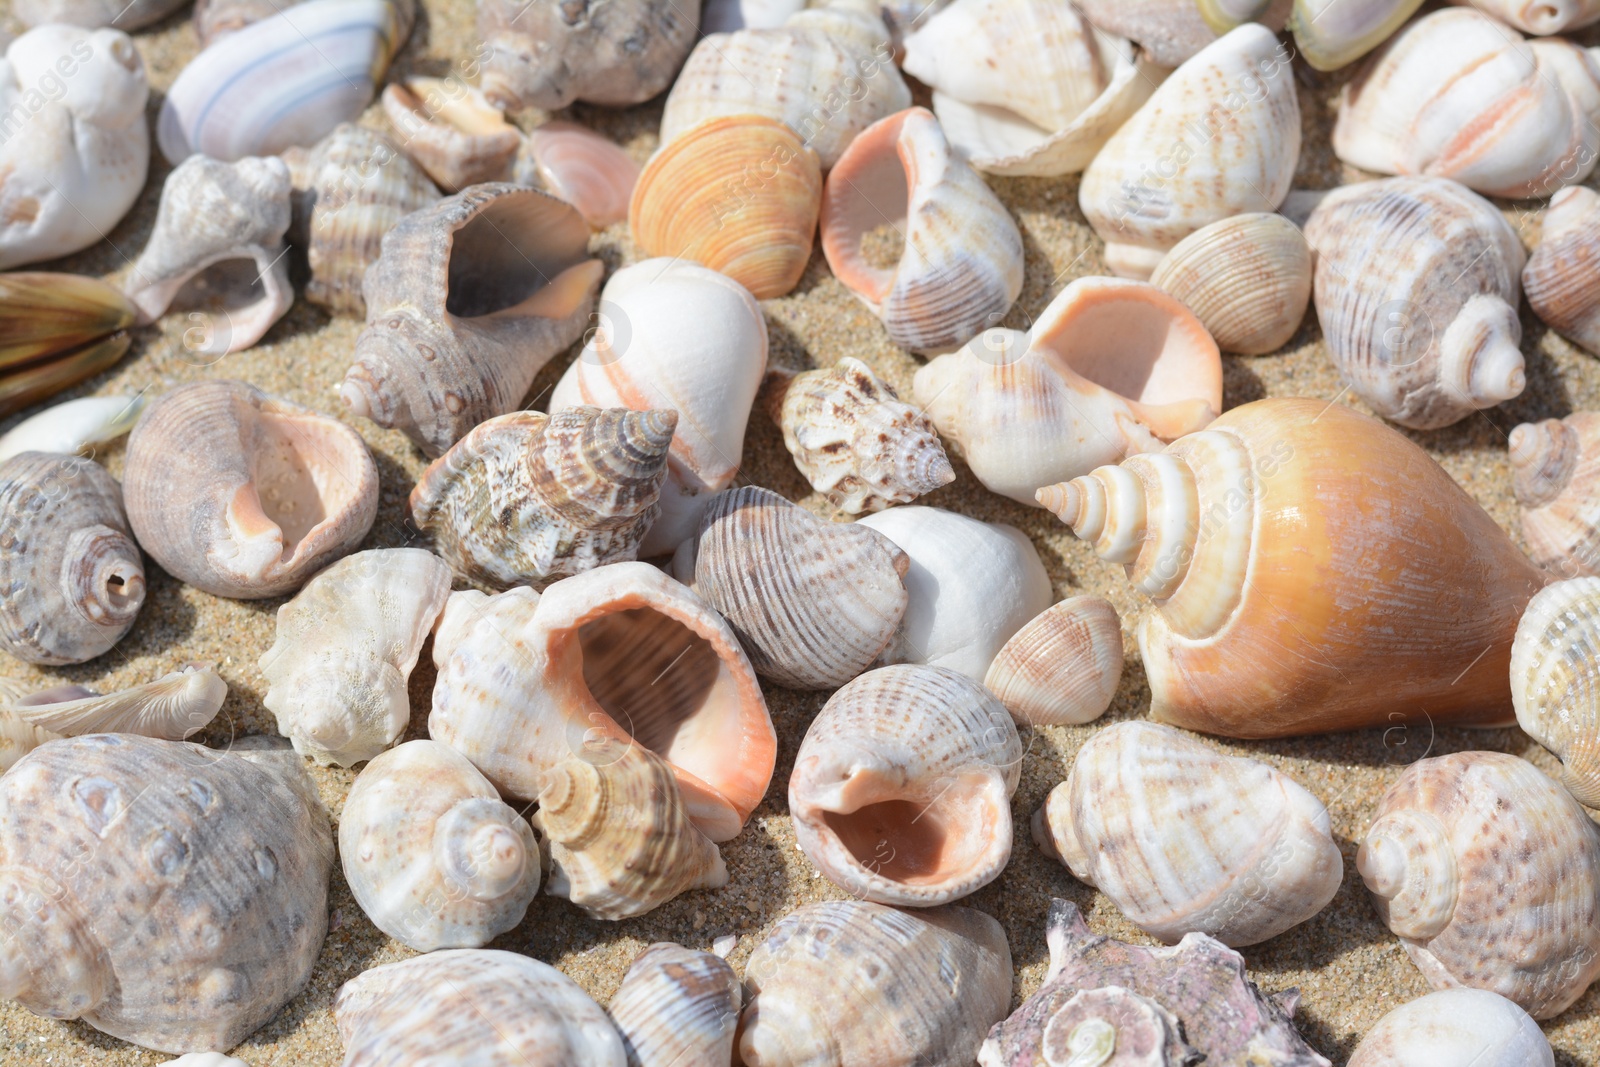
[(1555, 685), (1063, 667), (452, 131), (1556, 480), (1459, 1025), (581, 167), (1541, 17), (1247, 278), (677, 1007), (173, 707), (1280, 605), (73, 427), (1560, 279)]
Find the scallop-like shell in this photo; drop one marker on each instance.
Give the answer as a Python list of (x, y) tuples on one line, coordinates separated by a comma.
[(71, 577), (1334, 33), (73, 427), (528, 497), (1416, 288), (1454, 1026), (1555, 680), (172, 708), (246, 495), (580, 166), (452, 131), (1247, 278), (206, 902), (1433, 860), (336, 674), (1110, 367), (707, 196), (471, 297), (1185, 839), (677, 1008), (1541, 16), (95, 13), (1110, 1025), (477, 1006), (431, 854), (1562, 278), (1063, 667), (849, 983), (1555, 477), (814, 603)]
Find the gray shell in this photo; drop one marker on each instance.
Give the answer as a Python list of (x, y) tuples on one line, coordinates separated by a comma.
[(677, 1008), (93, 13)]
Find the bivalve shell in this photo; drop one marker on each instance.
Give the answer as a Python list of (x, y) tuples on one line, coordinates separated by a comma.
[(1247, 278), (580, 166), (1063, 667)]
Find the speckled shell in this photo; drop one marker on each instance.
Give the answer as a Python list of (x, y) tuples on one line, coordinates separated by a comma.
[(205, 903), (431, 854), (1555, 680), (470, 298), (173, 707), (527, 497), (1185, 839), (1555, 476), (1455, 1026), (1063, 667), (1334, 33), (1562, 278), (1247, 278), (1111, 1026), (1433, 860), (452, 131), (123, 15), (1541, 16), (337, 672), (245, 495), (677, 1008), (477, 1006), (582, 167), (856, 984)]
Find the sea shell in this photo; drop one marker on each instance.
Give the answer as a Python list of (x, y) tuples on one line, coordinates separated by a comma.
[(1114, 1026), (345, 646), (206, 1059), (452, 131), (526, 680), (18, 738), (970, 586), (71, 578), (217, 252), (1201, 981), (74, 164), (1455, 1026), (674, 335), (431, 854), (725, 16), (173, 707), (41, 379), (1185, 839), (708, 196), (1247, 278), (527, 497), (1171, 31), (1553, 476), (1458, 95), (854, 439), (1433, 861), (55, 331), (1334, 33), (1307, 503), (1429, 336), (581, 167), (1561, 279), (73, 427), (471, 297), (961, 266), (677, 1008), (477, 1006), (1554, 683), (1064, 665), (95, 13), (1541, 16), (205, 903), (848, 983), (1219, 137), (286, 80), (215, 19), (246, 495), (1109, 368), (901, 791)]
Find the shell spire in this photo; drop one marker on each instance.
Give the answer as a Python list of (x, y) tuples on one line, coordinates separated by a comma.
[(1554, 473)]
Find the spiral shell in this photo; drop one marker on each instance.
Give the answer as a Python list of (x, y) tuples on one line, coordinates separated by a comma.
[(1556, 480), (1063, 667), (1111, 1026), (173, 707), (1562, 278), (1247, 278), (677, 1008), (1555, 685), (1459, 1025), (452, 131), (581, 167), (1541, 16)]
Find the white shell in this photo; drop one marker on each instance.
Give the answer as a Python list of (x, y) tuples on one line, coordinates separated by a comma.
[(74, 426), (1555, 680), (1063, 667), (1541, 16), (1246, 277), (677, 1008), (1454, 1027), (173, 707), (206, 1059)]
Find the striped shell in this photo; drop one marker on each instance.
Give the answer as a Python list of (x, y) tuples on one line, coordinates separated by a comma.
[(1562, 277), (585, 169), (1555, 476), (1246, 277), (1555, 680), (452, 131), (1063, 667), (677, 1008)]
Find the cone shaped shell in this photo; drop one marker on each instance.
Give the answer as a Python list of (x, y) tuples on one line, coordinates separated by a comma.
[(46, 314), (1453, 1025), (452, 131), (1555, 683), (1247, 278), (172, 707), (1063, 666), (1562, 277), (1556, 479), (677, 1006), (1332, 34), (588, 171)]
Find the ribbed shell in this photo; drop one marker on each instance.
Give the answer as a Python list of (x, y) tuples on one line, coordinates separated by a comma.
[(1063, 667), (18, 738), (71, 577), (173, 707), (1541, 16), (1111, 1026), (582, 167), (1455, 1026), (677, 1008), (46, 314), (1555, 680), (452, 131), (1335, 33), (1562, 277), (1247, 278), (42, 379), (1555, 476)]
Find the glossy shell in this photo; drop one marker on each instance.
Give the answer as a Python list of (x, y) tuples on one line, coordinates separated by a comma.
[(172, 708), (1451, 1026), (580, 166), (1247, 278), (1064, 665)]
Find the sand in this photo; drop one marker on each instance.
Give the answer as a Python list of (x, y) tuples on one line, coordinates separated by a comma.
[(1349, 969)]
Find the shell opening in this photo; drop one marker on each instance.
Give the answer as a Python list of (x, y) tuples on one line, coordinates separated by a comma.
[(477, 850), (303, 471), (867, 207), (103, 576), (520, 256), (921, 841)]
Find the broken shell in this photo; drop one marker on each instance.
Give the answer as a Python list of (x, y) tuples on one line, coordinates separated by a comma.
[(1110, 1026), (45, 314), (1554, 685), (1334, 33), (1063, 667), (1451, 1026), (230, 852), (73, 427), (246, 495), (1185, 839), (1109, 368), (1529, 931), (1554, 477), (471, 297), (172, 708), (677, 1008), (345, 646), (855, 984), (1247, 278), (961, 267), (95, 13), (217, 248), (581, 167), (452, 131), (71, 578), (1542, 16), (527, 497), (707, 196), (1561, 279), (431, 854)]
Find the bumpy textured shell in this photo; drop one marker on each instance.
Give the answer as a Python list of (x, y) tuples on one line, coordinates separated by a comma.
[(1455, 1026), (1247, 278), (1541, 16), (1111, 1026), (452, 131), (246, 495), (477, 1006), (345, 646), (582, 167), (527, 497), (43, 313), (71, 577), (173, 707), (814, 603), (1555, 475), (677, 1008), (1185, 839), (1434, 860), (1562, 277), (1063, 667), (205, 903), (1555, 680)]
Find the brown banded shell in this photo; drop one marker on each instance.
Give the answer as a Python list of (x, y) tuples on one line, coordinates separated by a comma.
[(580, 166), (677, 1008), (55, 331), (452, 131), (1247, 278), (1555, 476), (1063, 667), (1562, 277)]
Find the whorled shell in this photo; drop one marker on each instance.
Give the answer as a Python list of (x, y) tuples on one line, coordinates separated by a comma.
[(1063, 667), (337, 670), (477, 1006), (677, 1008), (1416, 288), (1434, 861), (246, 495), (204, 906), (73, 427), (1185, 839), (431, 854), (1455, 1026), (172, 708), (1541, 16), (452, 131), (528, 497), (1562, 277), (1334, 33), (901, 791), (95, 13), (1111, 1026), (1555, 680), (619, 841), (1555, 476), (849, 983), (470, 298), (813, 603), (708, 196), (580, 166), (1247, 278)]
